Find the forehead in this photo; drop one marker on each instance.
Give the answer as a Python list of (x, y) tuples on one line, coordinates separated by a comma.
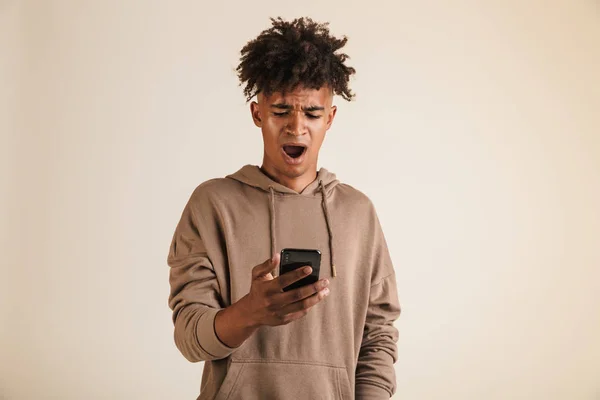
[(300, 96)]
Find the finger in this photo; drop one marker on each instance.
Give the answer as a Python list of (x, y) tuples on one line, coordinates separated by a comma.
[(266, 267), (290, 277), (304, 304), (300, 293)]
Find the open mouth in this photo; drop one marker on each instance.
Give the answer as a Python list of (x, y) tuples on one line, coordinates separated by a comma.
[(294, 151)]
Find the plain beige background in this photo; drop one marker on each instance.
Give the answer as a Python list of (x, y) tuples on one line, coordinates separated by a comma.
[(476, 133)]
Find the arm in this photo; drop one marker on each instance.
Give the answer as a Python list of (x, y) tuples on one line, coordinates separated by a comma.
[(375, 375), (195, 296)]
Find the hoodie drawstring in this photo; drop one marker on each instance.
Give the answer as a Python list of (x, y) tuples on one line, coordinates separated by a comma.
[(327, 222), (272, 220), (326, 210)]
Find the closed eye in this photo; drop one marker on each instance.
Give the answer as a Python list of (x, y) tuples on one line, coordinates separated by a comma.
[(282, 114)]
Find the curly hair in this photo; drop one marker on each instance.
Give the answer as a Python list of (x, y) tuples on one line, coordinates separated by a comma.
[(289, 54)]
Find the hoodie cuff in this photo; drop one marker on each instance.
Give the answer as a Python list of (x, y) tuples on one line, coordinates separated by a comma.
[(207, 336), (364, 391)]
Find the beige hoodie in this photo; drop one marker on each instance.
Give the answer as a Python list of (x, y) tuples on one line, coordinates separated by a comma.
[(344, 348)]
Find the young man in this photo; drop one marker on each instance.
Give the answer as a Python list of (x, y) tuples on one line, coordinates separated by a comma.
[(334, 339)]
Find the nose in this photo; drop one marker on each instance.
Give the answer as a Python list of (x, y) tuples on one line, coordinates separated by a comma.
[(296, 126)]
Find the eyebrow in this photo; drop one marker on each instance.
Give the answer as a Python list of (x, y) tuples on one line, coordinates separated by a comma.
[(285, 106)]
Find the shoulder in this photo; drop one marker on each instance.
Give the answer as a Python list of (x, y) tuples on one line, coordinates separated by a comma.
[(354, 198), (212, 191)]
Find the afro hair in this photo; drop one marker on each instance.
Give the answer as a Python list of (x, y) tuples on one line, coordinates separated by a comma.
[(292, 54)]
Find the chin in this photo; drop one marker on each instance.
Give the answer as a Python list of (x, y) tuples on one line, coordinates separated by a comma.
[(293, 171)]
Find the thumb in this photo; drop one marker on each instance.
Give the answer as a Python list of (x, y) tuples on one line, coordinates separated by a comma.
[(266, 267)]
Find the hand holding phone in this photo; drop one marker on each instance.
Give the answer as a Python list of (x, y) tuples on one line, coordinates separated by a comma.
[(272, 302)]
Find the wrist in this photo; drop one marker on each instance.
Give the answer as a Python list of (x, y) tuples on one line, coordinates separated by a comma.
[(243, 314)]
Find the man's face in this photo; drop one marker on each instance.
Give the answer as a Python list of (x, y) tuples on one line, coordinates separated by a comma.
[(301, 118)]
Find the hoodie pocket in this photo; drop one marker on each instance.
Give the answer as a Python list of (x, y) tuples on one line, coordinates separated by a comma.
[(282, 380)]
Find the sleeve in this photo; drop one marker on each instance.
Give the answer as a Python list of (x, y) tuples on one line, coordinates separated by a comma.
[(194, 296), (375, 375)]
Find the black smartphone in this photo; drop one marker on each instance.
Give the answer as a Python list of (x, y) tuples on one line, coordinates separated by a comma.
[(292, 259)]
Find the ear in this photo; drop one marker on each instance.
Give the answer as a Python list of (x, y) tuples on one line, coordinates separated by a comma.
[(331, 116), (255, 112)]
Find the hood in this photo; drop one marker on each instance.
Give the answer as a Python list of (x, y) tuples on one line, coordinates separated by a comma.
[(252, 175)]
